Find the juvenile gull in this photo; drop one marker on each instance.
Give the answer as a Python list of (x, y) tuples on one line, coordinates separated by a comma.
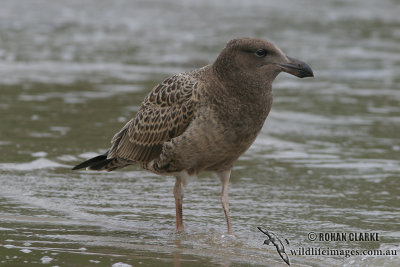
[(202, 120)]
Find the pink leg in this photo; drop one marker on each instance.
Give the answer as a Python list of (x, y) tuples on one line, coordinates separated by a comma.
[(178, 194), (224, 177)]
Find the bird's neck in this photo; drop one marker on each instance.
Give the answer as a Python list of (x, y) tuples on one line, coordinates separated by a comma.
[(250, 104), (242, 87)]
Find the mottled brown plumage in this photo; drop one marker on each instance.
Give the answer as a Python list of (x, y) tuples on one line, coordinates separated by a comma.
[(165, 113), (202, 120)]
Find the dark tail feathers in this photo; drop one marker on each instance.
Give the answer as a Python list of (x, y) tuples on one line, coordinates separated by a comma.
[(92, 162), (101, 162)]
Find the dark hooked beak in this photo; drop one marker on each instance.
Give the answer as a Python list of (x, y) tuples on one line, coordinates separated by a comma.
[(297, 68)]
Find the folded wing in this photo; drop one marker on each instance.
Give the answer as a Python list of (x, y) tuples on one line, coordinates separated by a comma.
[(165, 113)]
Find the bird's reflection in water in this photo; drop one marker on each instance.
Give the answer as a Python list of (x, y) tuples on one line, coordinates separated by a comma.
[(177, 253)]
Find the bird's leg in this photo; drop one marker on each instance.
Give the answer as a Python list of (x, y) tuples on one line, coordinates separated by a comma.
[(178, 194), (224, 177)]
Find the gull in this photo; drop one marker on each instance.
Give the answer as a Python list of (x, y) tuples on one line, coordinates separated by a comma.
[(202, 120)]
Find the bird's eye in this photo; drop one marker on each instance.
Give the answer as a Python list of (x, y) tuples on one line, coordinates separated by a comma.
[(261, 53)]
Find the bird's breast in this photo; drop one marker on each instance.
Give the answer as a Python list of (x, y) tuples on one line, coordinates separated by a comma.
[(217, 136), (244, 119)]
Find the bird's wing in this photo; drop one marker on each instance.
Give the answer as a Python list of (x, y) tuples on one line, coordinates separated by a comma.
[(164, 114)]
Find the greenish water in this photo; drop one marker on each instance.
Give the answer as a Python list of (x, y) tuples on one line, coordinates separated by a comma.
[(328, 159)]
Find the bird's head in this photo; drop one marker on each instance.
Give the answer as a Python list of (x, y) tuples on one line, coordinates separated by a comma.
[(256, 61)]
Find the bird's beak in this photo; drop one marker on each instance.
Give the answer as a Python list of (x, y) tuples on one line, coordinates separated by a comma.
[(297, 68)]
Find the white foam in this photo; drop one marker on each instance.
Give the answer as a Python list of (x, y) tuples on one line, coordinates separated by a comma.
[(35, 117), (2, 143), (25, 250), (88, 155), (121, 264), (39, 154), (61, 129), (46, 259), (40, 135), (49, 72), (67, 158), (41, 163), (365, 164)]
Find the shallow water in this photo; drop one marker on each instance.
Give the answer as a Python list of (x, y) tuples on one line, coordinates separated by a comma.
[(328, 159)]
